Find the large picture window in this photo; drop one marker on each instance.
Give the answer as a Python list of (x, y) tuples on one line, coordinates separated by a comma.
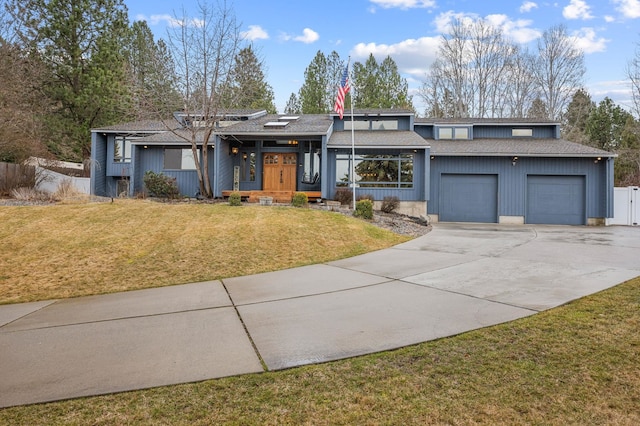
[(376, 170), (179, 159)]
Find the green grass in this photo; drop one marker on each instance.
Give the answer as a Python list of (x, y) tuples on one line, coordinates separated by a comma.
[(71, 250), (577, 364)]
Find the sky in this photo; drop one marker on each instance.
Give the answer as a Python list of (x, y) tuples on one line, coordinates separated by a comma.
[(287, 34)]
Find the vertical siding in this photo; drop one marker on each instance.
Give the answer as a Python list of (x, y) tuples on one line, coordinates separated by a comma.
[(99, 164), (512, 180), (152, 159), (504, 132)]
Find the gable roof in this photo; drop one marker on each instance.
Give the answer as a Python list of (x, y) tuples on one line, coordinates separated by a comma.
[(518, 147)]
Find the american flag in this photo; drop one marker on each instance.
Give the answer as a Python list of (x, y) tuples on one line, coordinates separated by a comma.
[(342, 92)]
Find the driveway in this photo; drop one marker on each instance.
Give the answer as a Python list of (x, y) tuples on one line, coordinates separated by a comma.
[(459, 277)]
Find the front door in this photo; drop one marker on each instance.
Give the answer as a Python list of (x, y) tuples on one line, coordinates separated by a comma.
[(279, 171)]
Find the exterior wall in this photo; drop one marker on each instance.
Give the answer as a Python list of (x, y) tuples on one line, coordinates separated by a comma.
[(118, 169), (504, 132), (409, 208), (99, 164), (419, 192), (152, 159), (512, 181)]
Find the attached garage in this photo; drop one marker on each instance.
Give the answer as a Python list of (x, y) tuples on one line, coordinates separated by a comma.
[(469, 198), (556, 200)]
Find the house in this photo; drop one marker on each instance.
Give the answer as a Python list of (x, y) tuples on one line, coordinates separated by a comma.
[(471, 170)]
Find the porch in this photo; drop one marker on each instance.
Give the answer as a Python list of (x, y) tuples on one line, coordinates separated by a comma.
[(278, 196)]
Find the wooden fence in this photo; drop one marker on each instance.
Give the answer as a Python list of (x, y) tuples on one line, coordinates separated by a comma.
[(15, 176)]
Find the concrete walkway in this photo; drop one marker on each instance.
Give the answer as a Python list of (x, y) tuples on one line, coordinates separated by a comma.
[(459, 277)]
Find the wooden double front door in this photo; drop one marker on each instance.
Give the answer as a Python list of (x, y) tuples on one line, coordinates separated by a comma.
[(279, 171)]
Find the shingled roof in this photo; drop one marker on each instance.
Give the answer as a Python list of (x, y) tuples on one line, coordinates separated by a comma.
[(519, 147), (378, 139)]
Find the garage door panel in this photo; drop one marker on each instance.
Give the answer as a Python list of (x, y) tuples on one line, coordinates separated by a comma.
[(469, 198), (556, 200)]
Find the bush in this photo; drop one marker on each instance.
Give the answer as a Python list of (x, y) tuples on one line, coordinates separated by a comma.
[(390, 204), (344, 195), (365, 197), (364, 209), (160, 185), (299, 199), (235, 199)]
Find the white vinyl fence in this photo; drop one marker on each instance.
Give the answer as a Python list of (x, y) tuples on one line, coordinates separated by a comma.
[(626, 206)]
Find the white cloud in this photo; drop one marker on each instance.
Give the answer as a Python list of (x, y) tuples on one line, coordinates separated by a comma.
[(168, 20), (413, 56), (255, 32), (577, 9), (528, 6), (444, 20), (518, 30), (629, 8), (588, 42), (404, 4), (308, 36), (609, 18)]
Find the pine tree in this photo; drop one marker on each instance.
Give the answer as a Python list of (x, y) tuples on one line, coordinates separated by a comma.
[(80, 41), (249, 88)]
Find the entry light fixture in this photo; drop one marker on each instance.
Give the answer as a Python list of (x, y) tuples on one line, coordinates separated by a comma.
[(597, 160), (514, 160), (234, 150)]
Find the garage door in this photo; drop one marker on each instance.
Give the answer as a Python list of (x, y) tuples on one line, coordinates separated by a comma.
[(469, 198), (556, 200)]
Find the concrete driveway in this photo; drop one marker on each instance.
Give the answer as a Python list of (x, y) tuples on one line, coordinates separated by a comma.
[(459, 277)]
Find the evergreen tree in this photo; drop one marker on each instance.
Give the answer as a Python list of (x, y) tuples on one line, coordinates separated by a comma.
[(153, 81), (249, 88), (605, 125), (576, 117), (293, 105), (321, 80), (538, 110), (380, 85), (80, 42)]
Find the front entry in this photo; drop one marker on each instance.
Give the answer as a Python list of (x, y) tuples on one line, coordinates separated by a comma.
[(279, 171)]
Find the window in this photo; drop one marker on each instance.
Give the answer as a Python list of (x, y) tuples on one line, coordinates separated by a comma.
[(522, 132), (372, 125), (453, 133), (376, 171), (248, 165), (122, 150), (311, 159), (179, 159)]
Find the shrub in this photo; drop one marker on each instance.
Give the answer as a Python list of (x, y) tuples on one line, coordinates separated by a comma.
[(344, 195), (160, 185), (364, 209), (390, 204), (365, 197), (235, 199), (299, 199)]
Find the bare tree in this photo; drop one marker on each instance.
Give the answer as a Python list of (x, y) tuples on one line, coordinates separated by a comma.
[(558, 70), (633, 73), (519, 93), (204, 50), (474, 63)]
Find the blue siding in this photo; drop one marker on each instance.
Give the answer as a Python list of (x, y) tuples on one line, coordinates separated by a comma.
[(99, 164), (115, 169), (512, 180), (152, 159), (504, 132)]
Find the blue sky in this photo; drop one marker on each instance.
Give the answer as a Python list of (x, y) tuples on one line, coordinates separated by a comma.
[(287, 34)]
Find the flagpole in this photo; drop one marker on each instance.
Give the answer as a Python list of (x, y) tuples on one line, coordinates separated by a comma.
[(353, 148)]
